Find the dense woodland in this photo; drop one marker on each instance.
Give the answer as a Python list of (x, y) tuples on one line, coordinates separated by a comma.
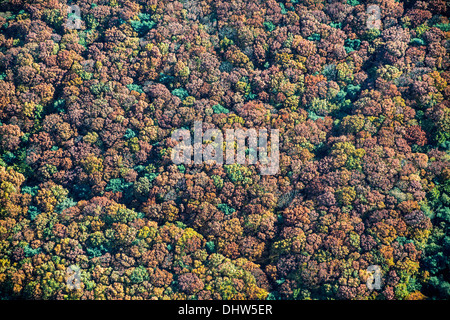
[(86, 177)]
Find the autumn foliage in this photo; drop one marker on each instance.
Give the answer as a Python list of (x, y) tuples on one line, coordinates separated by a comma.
[(86, 178)]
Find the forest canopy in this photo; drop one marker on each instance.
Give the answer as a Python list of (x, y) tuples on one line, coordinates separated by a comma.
[(91, 92)]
